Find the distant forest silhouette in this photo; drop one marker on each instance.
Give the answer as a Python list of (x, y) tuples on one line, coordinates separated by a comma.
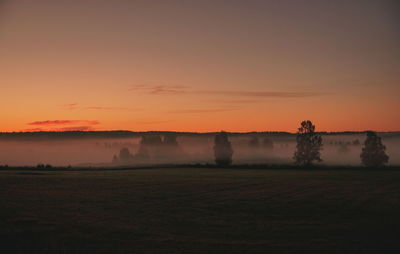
[(135, 134), (309, 145)]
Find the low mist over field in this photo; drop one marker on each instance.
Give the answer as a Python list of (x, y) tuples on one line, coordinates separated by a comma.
[(252, 148)]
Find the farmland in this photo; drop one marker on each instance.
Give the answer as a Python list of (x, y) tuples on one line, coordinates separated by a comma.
[(199, 210)]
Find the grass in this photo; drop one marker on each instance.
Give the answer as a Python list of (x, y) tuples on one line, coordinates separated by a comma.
[(199, 210)]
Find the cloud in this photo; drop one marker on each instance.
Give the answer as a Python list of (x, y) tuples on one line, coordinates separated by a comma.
[(69, 128), (161, 89), (107, 108), (260, 94), (63, 122), (70, 106), (73, 106), (234, 101), (165, 89), (200, 111)]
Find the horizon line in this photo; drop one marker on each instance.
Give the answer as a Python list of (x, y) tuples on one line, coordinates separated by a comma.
[(189, 132)]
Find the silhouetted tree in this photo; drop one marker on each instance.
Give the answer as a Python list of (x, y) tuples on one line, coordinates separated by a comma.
[(142, 153), (254, 142), (170, 140), (373, 153), (153, 140), (309, 145), (125, 156), (222, 149), (171, 149)]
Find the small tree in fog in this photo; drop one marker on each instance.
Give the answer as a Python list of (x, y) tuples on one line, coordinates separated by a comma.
[(170, 140), (171, 151), (222, 149), (373, 153), (143, 153), (152, 140), (309, 145), (125, 156)]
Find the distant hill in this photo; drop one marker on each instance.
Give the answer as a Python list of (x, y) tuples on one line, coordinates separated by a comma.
[(132, 134)]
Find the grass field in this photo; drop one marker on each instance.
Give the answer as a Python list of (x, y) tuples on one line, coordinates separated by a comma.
[(200, 211)]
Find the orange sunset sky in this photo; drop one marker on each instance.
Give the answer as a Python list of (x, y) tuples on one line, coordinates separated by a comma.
[(199, 65)]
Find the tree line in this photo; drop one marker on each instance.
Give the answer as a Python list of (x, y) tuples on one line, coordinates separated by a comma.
[(309, 145), (308, 148)]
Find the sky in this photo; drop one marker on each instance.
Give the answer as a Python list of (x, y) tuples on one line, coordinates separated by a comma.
[(199, 66)]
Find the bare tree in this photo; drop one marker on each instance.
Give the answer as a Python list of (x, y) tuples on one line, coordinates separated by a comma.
[(222, 149), (373, 153), (309, 145)]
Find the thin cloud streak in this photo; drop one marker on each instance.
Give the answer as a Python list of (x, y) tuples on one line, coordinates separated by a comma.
[(70, 106), (261, 94), (234, 101), (69, 128), (200, 111), (73, 106), (177, 90), (63, 122), (109, 108), (161, 89)]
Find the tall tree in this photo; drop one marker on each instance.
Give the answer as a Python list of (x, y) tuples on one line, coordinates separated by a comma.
[(222, 149), (309, 145), (373, 153)]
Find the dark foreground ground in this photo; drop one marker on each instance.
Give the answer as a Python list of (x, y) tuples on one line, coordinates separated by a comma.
[(200, 211)]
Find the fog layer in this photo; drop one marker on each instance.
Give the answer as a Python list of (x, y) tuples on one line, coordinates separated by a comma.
[(159, 149)]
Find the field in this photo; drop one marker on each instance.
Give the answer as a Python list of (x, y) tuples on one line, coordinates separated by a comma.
[(200, 211)]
